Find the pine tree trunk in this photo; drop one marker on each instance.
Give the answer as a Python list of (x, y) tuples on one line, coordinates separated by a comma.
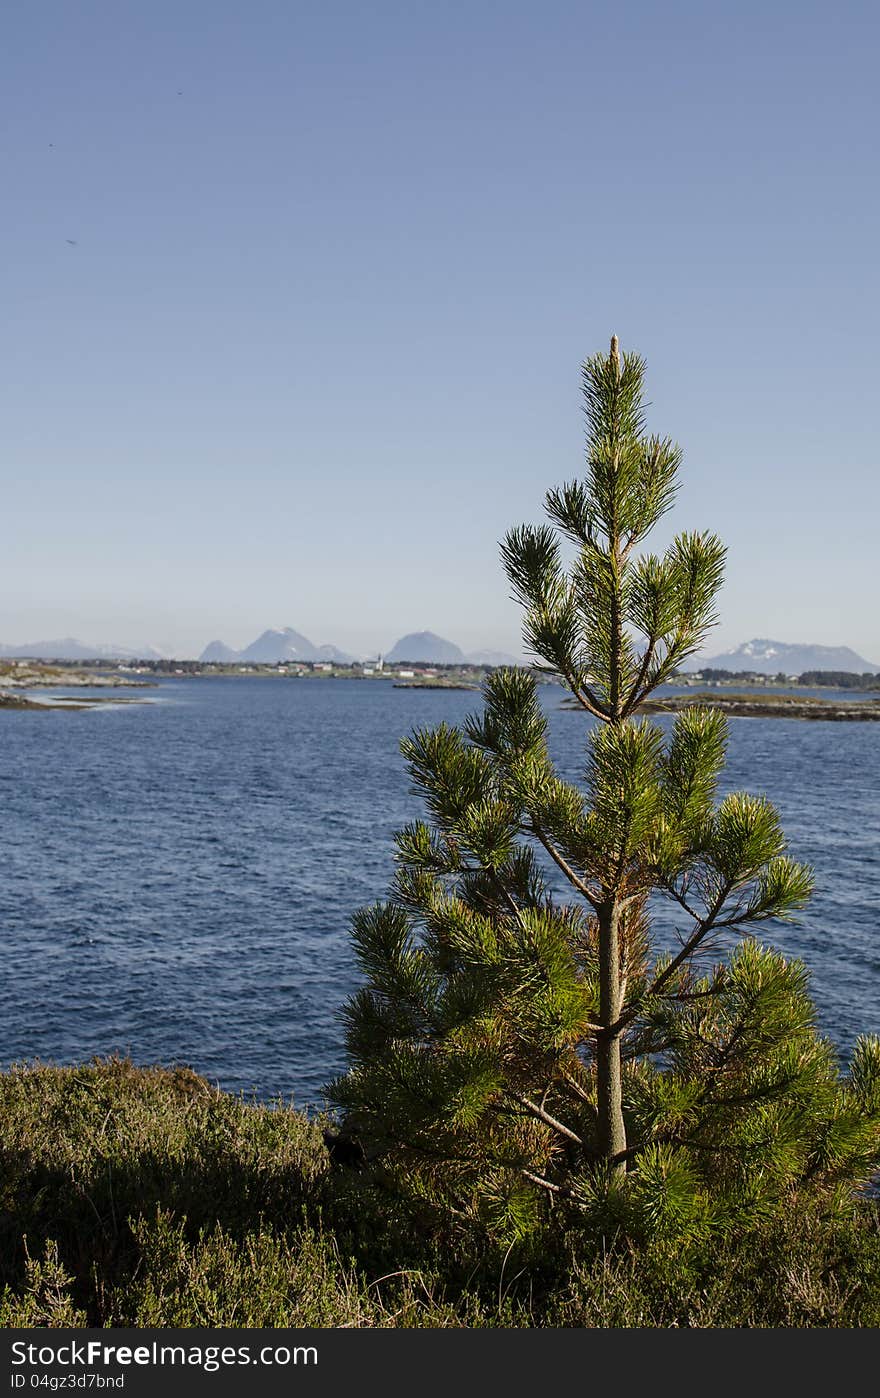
[(609, 1078)]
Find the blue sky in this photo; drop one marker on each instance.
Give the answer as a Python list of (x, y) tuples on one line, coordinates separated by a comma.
[(314, 343)]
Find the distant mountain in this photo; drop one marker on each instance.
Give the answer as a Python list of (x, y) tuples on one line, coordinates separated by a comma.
[(71, 649), (273, 647), (491, 657), (337, 656), (218, 653), (424, 648), (774, 657)]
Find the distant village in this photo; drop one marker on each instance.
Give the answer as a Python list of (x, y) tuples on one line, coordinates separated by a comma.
[(459, 674)]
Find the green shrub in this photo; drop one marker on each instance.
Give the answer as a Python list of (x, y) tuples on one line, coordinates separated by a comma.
[(44, 1300), (145, 1197)]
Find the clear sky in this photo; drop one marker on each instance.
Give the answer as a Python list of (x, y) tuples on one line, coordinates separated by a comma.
[(295, 297)]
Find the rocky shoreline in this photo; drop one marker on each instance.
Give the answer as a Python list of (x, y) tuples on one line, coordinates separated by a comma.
[(433, 684), (770, 706), (18, 675), (21, 676), (762, 706), (62, 702), (15, 701)]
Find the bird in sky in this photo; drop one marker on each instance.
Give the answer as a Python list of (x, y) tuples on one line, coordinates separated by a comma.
[(71, 241)]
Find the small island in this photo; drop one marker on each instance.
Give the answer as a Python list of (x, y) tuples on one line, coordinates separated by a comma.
[(757, 705), (16, 701), (62, 702), (433, 684), (744, 705), (17, 675)]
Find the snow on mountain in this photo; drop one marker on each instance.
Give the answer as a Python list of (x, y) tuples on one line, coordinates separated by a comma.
[(69, 648), (768, 657), (274, 646)]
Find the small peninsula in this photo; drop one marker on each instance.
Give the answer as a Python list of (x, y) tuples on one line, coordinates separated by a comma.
[(758, 705), (26, 674), (62, 702), (433, 684), (745, 705), (17, 675)]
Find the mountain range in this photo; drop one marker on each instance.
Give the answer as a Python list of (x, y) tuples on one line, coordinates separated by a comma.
[(767, 657), (418, 648), (69, 648), (764, 656), (274, 646), (270, 648)]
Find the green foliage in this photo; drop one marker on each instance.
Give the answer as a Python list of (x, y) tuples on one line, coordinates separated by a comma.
[(215, 1279), (45, 1298), (524, 1058), (84, 1150), (144, 1197)]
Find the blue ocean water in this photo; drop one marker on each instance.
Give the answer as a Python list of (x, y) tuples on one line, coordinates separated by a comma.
[(177, 877)]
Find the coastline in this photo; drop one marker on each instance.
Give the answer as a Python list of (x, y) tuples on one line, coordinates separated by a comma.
[(778, 705), (769, 706)]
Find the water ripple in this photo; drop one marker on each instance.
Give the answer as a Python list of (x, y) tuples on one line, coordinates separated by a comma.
[(177, 879)]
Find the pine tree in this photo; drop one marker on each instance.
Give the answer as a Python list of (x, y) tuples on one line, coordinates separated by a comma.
[(516, 1048)]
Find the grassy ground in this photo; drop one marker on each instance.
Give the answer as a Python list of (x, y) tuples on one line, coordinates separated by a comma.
[(134, 1197)]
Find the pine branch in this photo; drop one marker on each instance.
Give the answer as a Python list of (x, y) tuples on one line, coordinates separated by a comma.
[(703, 929), (637, 694), (541, 1115), (545, 1184), (585, 697), (670, 888), (562, 863), (575, 1086), (507, 896), (705, 926)]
